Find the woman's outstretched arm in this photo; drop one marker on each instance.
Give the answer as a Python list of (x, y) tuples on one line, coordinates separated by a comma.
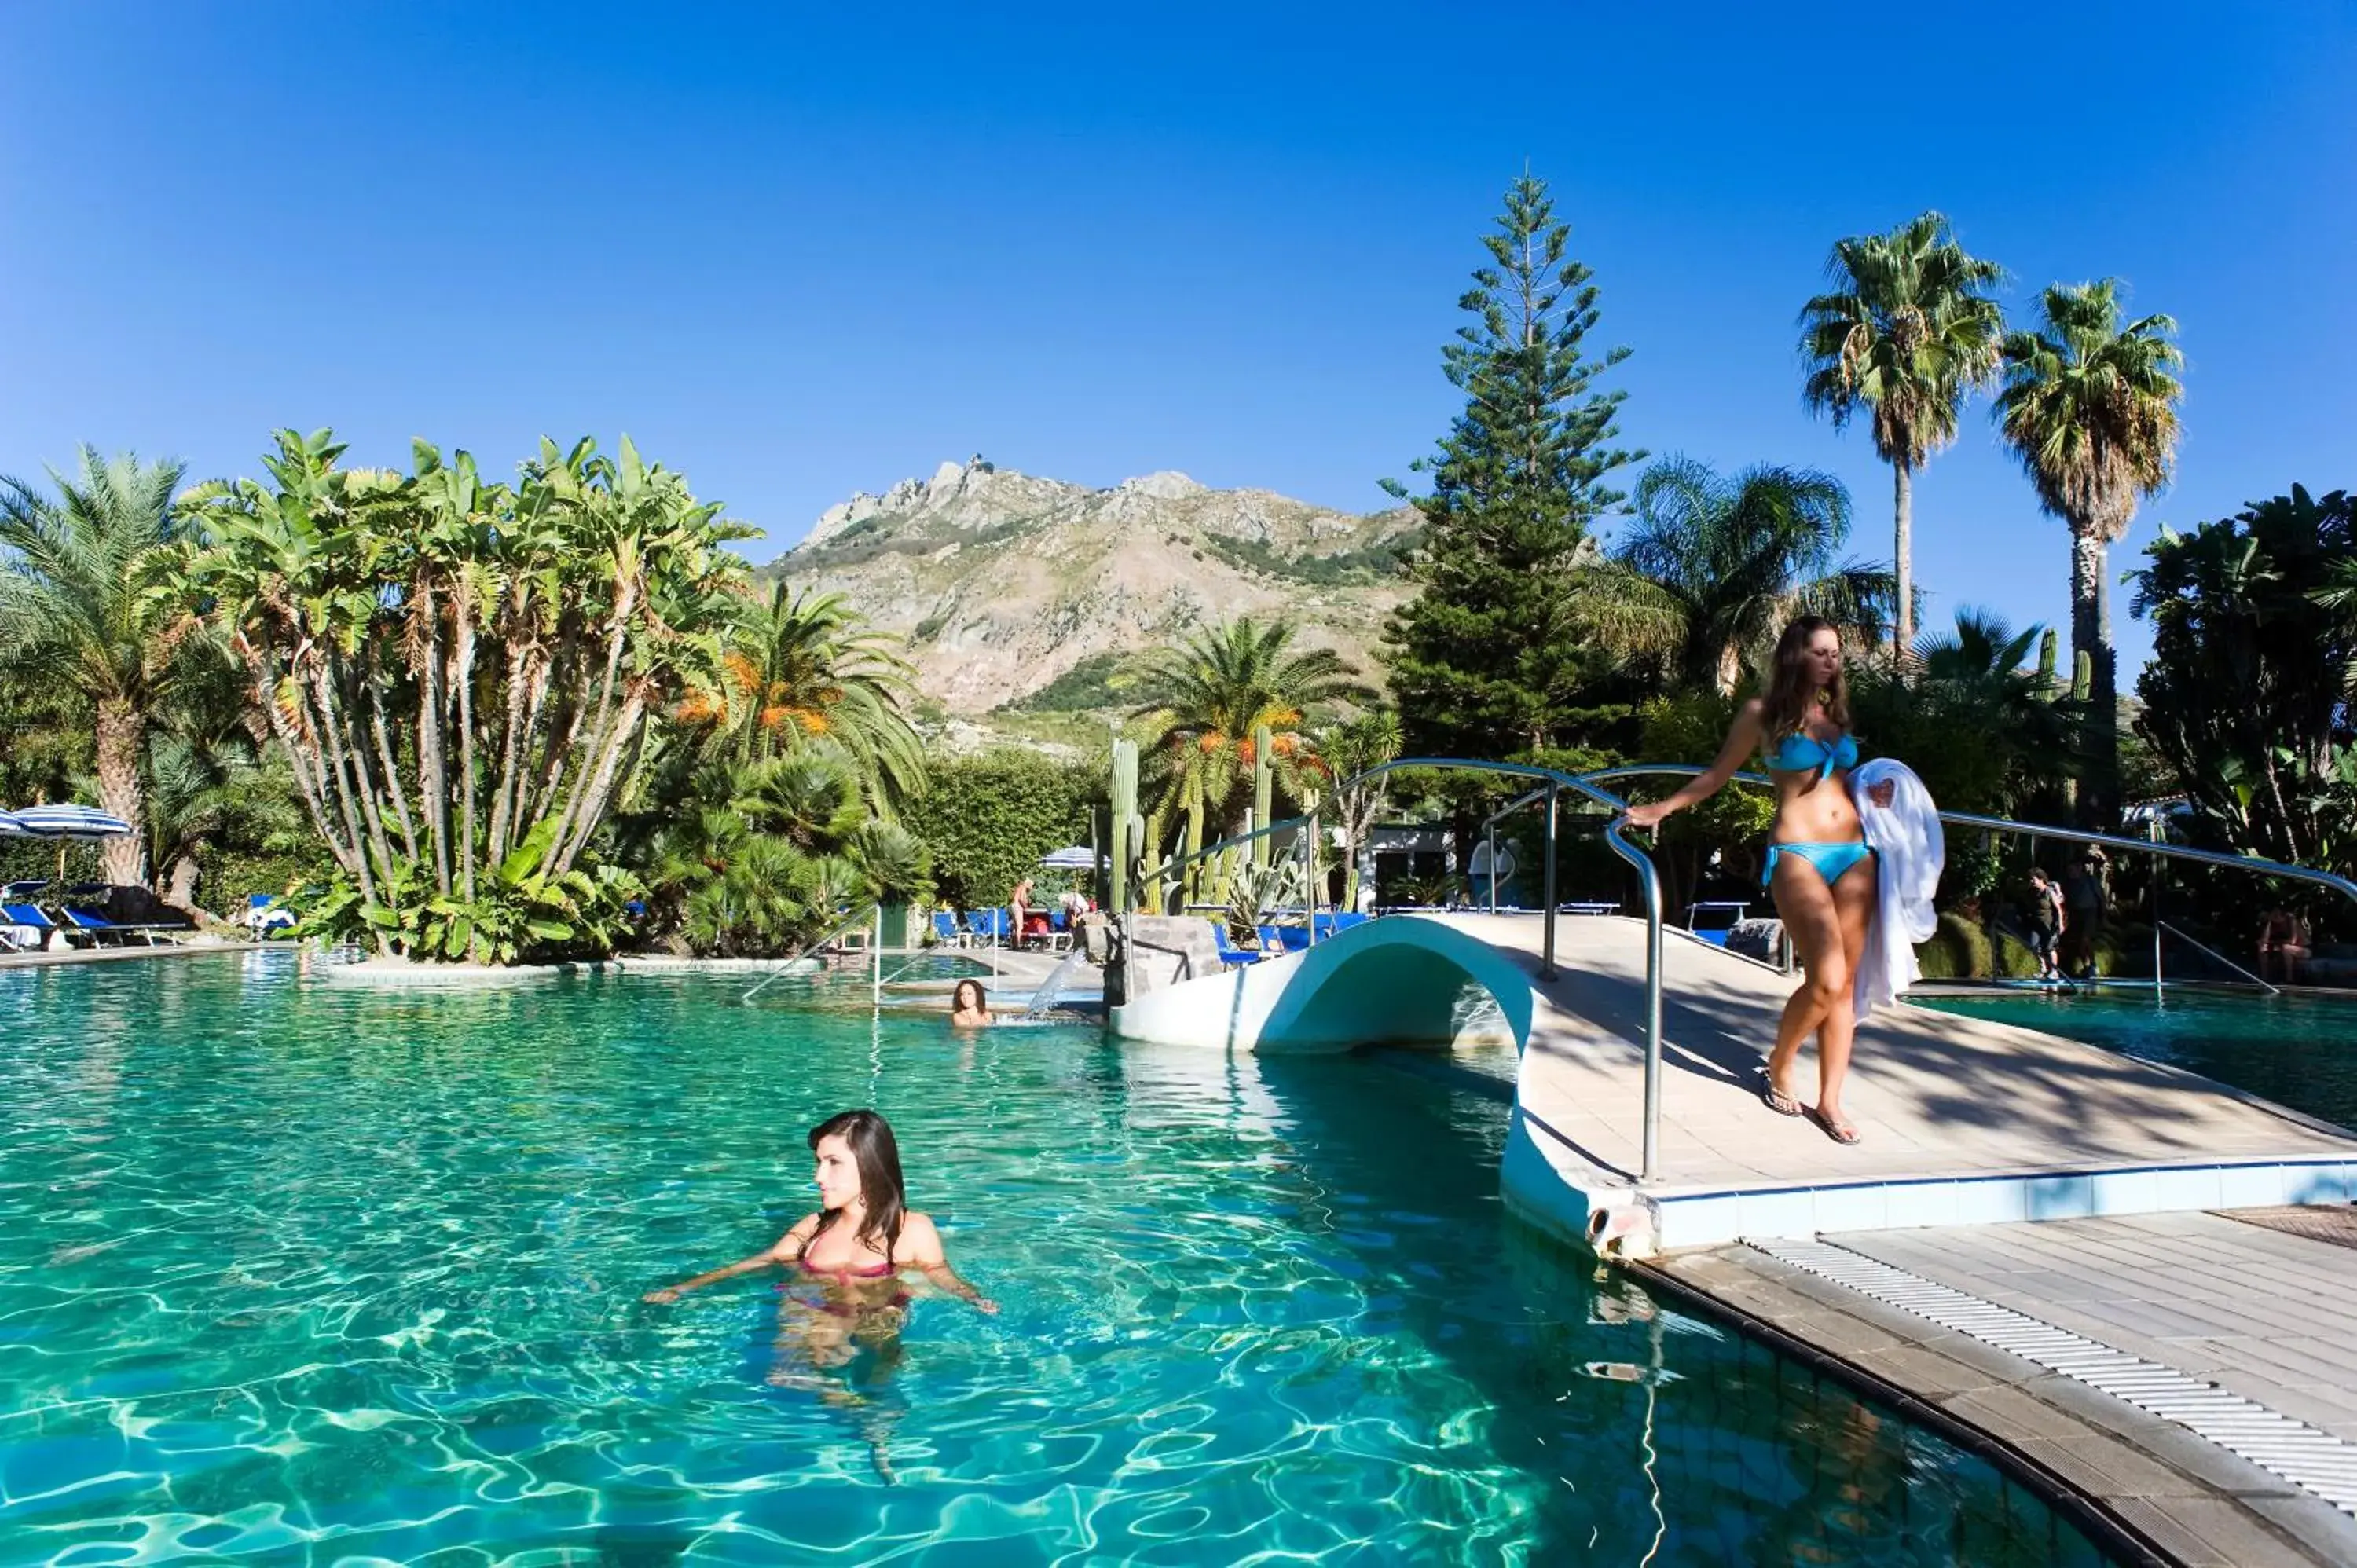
[(921, 1248), (789, 1247), (1742, 740)]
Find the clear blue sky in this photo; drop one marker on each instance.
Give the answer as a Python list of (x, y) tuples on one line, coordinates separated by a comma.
[(797, 254)]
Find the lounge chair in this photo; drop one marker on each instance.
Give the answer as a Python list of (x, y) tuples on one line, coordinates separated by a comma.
[(946, 931), (1328, 927), (100, 928), (989, 925), (1230, 957), (24, 928), (264, 914), (1284, 938)]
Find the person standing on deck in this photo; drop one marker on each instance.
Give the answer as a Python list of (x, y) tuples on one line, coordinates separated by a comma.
[(1820, 868), (2087, 903)]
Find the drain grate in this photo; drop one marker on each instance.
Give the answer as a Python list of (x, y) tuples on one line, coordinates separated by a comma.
[(2310, 1458), (2336, 1224)]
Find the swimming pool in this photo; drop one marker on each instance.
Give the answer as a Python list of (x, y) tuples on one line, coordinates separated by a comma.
[(2300, 1051), (301, 1272)]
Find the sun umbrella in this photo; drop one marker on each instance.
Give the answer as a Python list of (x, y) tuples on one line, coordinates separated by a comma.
[(64, 822), (10, 828), (1072, 857)]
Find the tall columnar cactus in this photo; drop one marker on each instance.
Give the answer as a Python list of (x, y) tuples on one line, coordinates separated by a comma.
[(1264, 791), (2082, 676), (2047, 648), (1124, 808)]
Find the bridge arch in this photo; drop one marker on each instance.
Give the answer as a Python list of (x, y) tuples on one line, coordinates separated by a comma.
[(1397, 980)]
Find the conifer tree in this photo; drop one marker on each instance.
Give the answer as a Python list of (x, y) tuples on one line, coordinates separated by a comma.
[(1482, 661)]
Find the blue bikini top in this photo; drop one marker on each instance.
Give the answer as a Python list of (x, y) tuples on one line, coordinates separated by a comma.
[(1804, 753)]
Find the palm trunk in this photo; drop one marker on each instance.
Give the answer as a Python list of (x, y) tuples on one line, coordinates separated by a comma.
[(120, 731), (392, 772), (1903, 555), (352, 771), (2090, 634), (589, 805), (506, 787), (433, 770), (463, 680)]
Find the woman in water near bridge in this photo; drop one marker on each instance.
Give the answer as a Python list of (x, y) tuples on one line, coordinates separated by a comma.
[(1820, 868)]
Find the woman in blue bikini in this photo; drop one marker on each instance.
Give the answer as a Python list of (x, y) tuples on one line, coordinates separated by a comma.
[(1820, 866)]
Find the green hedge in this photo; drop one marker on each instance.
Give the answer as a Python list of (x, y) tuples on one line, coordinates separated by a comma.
[(987, 819), (1957, 950)]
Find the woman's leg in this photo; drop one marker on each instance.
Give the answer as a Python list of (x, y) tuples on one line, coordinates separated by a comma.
[(1852, 900), (1806, 905)]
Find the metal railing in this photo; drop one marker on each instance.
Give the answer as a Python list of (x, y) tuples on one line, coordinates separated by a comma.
[(1591, 787)]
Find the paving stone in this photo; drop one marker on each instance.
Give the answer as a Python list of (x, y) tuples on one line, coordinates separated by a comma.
[(2210, 1535), (1927, 1374), (2314, 1523), (2013, 1415)]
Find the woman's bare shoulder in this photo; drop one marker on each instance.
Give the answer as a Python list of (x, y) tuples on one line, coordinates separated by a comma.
[(795, 1239), (918, 1223)]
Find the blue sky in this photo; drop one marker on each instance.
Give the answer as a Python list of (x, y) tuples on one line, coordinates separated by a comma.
[(796, 254)]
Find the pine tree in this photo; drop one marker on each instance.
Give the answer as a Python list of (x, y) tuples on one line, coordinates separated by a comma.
[(1481, 659)]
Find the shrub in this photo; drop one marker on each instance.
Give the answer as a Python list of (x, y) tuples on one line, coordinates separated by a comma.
[(987, 820), (1957, 950)]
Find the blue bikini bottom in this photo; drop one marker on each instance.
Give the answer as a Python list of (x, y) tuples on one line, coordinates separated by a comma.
[(1830, 859)]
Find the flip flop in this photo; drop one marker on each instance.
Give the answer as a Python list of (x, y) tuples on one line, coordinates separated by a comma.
[(1775, 1099), (1839, 1132)]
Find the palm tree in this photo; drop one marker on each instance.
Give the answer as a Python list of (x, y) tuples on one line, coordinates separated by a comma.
[(1908, 329), (1213, 692), (1711, 568), (87, 600), (806, 666), (2090, 408)]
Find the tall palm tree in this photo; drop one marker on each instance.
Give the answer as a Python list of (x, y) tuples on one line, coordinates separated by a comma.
[(1711, 568), (1213, 692), (87, 599), (1908, 329), (2090, 408)]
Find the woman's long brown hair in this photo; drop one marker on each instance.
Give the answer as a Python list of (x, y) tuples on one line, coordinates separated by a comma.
[(878, 1154), (1793, 691)]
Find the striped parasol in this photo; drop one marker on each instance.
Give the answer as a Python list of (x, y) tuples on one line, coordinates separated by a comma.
[(67, 822), (10, 828), (70, 821)]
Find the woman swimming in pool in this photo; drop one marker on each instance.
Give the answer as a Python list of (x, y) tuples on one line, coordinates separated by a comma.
[(969, 1006), (1820, 866), (861, 1236)]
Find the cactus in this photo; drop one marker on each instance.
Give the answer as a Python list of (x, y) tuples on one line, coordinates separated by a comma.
[(2048, 647), (2083, 677), (1124, 807), (1264, 791)]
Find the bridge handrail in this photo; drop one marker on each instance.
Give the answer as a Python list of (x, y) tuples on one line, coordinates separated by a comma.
[(1590, 786)]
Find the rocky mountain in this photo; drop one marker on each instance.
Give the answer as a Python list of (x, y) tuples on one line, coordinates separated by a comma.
[(1006, 584)]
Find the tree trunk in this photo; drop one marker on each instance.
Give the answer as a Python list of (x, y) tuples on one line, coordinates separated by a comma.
[(433, 773), (463, 682), (2090, 634), (180, 890), (120, 731), (1902, 556)]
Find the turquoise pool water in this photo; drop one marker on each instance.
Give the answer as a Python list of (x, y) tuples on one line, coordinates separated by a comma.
[(296, 1274), (2300, 1051)]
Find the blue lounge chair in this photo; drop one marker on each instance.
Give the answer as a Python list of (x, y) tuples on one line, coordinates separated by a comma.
[(101, 929), (264, 914), (16, 919), (989, 925), (1330, 925), (946, 931), (1714, 934), (1230, 957), (1286, 939)]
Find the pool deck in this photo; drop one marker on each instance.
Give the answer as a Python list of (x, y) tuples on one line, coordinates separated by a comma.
[(2072, 1261), (1962, 1120), (43, 959)]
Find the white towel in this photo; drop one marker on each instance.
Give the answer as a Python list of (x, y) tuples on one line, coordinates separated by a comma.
[(1910, 852)]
